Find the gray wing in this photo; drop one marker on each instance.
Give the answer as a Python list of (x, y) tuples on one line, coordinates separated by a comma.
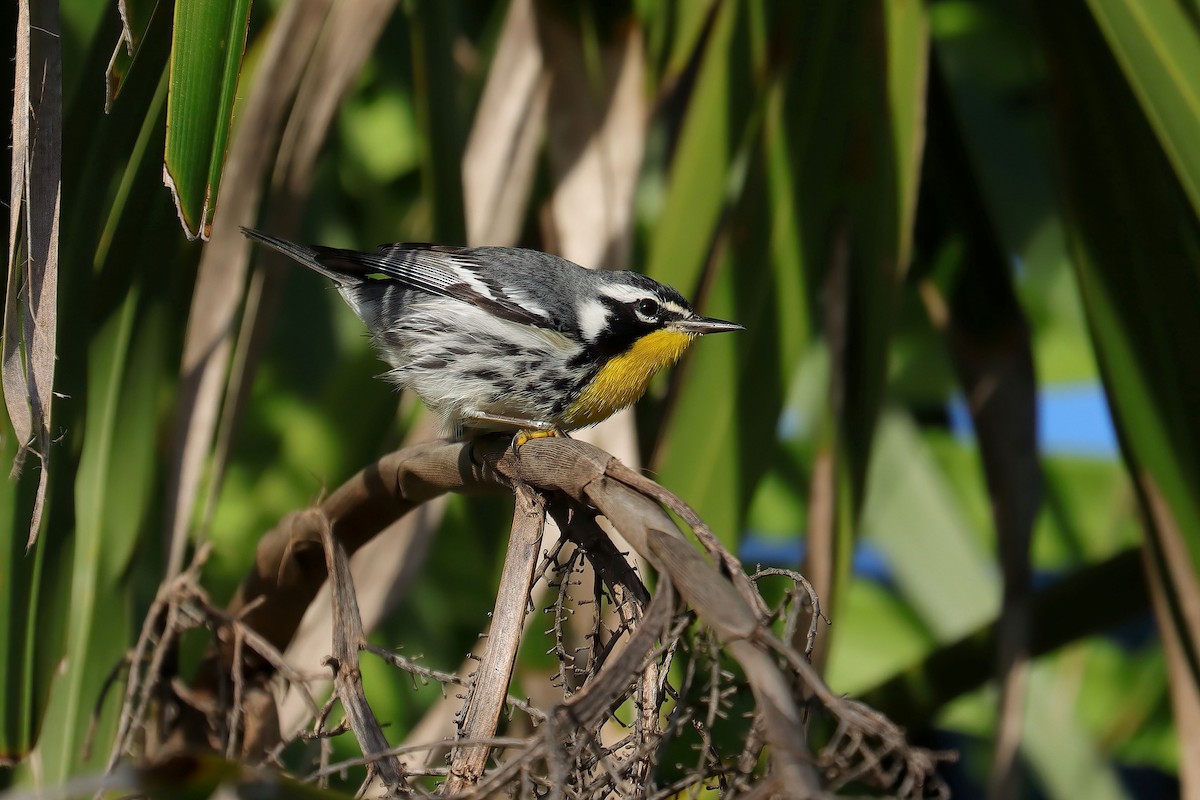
[(453, 272)]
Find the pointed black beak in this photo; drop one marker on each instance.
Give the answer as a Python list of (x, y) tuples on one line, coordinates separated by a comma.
[(705, 325)]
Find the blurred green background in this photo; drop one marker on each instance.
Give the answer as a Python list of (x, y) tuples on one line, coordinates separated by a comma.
[(963, 237)]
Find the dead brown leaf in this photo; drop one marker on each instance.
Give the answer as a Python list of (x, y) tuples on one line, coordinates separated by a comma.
[(30, 318)]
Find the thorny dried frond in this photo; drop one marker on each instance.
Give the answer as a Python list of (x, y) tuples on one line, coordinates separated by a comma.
[(153, 695), (655, 696)]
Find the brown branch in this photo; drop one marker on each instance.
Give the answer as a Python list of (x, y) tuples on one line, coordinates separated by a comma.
[(289, 567), (445, 678), (490, 690), (729, 565), (580, 526), (573, 467), (362, 761), (347, 677), (590, 704), (628, 592), (565, 753)]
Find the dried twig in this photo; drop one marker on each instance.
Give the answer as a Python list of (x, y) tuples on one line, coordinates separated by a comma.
[(575, 748), (504, 636), (347, 678)]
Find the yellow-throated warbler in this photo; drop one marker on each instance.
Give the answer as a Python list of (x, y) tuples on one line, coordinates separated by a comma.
[(497, 338)]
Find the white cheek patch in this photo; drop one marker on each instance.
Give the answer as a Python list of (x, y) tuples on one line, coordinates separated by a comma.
[(593, 318)]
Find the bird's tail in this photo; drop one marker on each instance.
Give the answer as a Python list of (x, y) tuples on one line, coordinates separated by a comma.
[(310, 257)]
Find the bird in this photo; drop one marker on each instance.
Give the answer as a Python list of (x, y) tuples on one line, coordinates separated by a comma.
[(509, 339)]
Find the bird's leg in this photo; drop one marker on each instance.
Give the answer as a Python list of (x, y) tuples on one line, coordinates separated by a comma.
[(521, 423), (526, 428), (524, 436)]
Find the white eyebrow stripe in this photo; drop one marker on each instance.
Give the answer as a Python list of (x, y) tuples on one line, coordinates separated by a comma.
[(675, 308), (593, 318), (626, 294)]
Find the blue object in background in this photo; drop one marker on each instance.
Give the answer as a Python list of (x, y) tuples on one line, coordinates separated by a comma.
[(867, 562), (1073, 420), (770, 551)]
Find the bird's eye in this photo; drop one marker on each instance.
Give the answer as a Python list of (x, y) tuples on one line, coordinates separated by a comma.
[(647, 309)]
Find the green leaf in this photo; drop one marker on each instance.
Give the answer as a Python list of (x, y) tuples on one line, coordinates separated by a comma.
[(88, 590), (748, 166), (911, 514), (1157, 44), (136, 16), (702, 162), (878, 635), (1136, 244), (857, 129), (206, 53), (688, 21), (1074, 608), (19, 678), (713, 139), (1065, 760), (862, 227), (90, 642), (439, 116), (907, 47)]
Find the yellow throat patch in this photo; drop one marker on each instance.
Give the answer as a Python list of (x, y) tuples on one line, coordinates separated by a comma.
[(624, 378)]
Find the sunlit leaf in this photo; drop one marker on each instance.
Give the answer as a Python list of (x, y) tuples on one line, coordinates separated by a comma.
[(206, 56)]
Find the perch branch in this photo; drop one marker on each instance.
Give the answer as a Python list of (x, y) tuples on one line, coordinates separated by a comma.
[(289, 566), (288, 573)]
